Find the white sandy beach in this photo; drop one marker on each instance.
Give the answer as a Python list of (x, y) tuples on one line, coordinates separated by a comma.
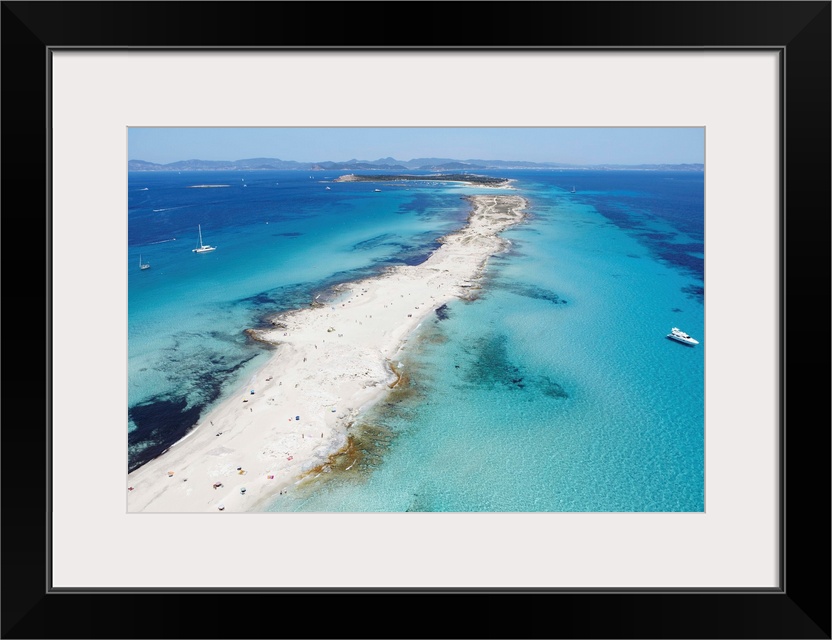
[(331, 363)]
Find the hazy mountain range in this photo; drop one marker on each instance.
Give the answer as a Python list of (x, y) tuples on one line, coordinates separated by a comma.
[(387, 164)]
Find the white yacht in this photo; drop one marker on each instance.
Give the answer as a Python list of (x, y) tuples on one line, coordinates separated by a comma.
[(681, 336), (202, 248)]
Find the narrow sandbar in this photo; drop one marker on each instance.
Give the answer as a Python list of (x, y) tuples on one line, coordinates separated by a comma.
[(331, 362)]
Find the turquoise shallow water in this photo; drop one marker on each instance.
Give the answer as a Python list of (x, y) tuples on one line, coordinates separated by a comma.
[(556, 390)]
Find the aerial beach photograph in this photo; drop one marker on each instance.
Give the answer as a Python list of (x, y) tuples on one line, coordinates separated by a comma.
[(415, 320)]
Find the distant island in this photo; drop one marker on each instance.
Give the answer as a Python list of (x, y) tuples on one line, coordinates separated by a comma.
[(469, 178), (390, 165)]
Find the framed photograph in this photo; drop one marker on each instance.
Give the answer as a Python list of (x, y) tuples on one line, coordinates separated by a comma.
[(119, 113), (421, 342)]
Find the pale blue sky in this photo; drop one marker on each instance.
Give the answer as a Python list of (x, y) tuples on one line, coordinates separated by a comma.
[(659, 145)]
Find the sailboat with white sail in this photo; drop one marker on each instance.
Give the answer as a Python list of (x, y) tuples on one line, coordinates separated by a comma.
[(202, 247), (143, 265)]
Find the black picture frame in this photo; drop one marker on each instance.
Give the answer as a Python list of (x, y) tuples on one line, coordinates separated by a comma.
[(798, 608)]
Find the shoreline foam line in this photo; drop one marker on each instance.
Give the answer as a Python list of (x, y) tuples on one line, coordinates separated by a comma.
[(330, 364)]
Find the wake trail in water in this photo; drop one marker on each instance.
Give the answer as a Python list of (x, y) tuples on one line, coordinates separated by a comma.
[(171, 208)]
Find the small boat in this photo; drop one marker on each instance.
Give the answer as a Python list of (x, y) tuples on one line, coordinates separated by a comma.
[(327, 189), (681, 336), (377, 190), (143, 265), (202, 248), (573, 190)]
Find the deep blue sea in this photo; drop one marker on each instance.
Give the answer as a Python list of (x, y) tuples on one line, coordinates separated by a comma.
[(556, 390)]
